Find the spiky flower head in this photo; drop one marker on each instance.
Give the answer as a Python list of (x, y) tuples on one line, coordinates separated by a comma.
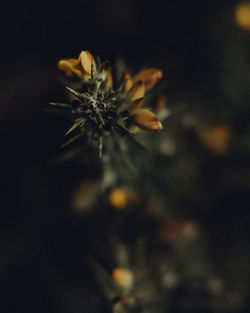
[(98, 109)]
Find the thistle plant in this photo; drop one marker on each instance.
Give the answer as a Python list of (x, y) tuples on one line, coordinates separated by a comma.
[(97, 109)]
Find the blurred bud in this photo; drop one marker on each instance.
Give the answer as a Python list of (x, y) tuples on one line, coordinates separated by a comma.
[(118, 198), (85, 196), (172, 229), (123, 277), (147, 120), (216, 139), (242, 15), (170, 279), (149, 77)]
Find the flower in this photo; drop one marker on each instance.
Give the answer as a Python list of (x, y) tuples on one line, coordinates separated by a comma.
[(98, 109), (80, 67)]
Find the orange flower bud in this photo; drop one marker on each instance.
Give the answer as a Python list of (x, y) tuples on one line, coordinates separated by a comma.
[(118, 198), (216, 139), (147, 120), (136, 91), (149, 77), (123, 277)]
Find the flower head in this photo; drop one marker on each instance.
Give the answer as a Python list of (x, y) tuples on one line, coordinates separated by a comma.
[(97, 108)]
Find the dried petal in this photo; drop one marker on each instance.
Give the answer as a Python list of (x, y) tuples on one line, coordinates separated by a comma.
[(147, 120), (149, 77), (135, 106), (136, 91)]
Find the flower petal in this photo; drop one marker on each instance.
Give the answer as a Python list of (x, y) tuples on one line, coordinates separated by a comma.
[(129, 83), (135, 106), (147, 120), (149, 77), (136, 91), (86, 59), (70, 67)]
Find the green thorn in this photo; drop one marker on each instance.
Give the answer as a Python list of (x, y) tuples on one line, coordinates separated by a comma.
[(99, 115)]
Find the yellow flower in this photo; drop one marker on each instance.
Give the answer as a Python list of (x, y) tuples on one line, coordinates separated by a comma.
[(136, 88), (98, 109), (80, 67)]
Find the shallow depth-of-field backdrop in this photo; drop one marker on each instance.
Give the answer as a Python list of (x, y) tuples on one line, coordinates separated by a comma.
[(177, 231)]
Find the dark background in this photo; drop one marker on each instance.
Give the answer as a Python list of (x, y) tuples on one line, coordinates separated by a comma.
[(205, 60)]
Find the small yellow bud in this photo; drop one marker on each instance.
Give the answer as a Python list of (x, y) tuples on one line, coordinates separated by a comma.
[(118, 198), (215, 140)]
